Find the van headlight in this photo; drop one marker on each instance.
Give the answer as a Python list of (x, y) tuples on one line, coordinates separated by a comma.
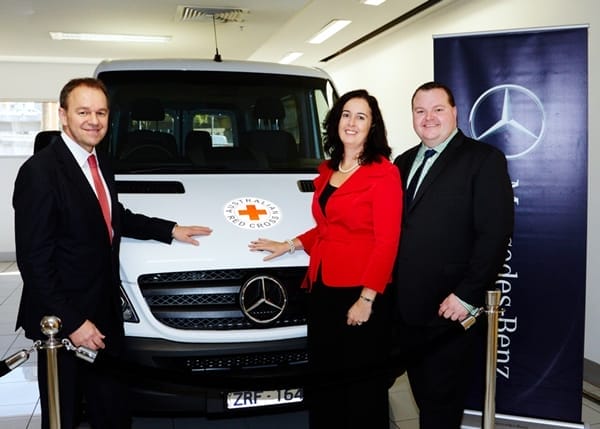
[(127, 309)]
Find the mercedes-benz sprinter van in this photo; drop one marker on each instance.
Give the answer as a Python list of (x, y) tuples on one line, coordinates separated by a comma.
[(233, 146)]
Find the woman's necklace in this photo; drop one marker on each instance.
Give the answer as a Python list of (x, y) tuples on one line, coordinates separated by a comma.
[(347, 170)]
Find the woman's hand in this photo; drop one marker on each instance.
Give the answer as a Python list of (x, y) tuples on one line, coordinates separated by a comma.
[(359, 313), (361, 310), (277, 248)]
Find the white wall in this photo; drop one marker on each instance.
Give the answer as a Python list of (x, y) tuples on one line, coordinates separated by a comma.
[(392, 66), (38, 81), (9, 168), (30, 81)]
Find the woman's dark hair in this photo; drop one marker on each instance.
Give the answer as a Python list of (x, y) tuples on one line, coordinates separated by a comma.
[(376, 145)]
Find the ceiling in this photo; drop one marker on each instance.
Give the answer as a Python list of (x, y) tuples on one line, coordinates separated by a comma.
[(260, 30)]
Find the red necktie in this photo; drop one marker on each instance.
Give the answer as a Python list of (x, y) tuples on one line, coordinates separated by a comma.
[(101, 193)]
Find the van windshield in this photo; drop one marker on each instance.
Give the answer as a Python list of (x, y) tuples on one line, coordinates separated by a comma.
[(215, 121)]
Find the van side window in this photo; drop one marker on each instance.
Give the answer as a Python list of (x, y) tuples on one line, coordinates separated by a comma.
[(290, 122), (219, 124), (166, 125)]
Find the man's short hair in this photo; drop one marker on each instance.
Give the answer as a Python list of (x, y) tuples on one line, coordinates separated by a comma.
[(90, 82)]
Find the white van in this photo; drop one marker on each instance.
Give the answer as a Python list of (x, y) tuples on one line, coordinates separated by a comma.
[(233, 146)]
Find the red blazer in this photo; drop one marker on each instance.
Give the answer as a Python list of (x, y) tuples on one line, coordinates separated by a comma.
[(356, 241)]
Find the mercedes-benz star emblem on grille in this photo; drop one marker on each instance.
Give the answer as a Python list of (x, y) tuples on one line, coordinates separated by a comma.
[(263, 299)]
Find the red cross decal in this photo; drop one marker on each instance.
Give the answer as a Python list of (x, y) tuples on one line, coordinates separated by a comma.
[(252, 212)]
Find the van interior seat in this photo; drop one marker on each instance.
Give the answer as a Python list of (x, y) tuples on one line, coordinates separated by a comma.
[(148, 145), (268, 113), (198, 145), (276, 146), (268, 140), (44, 138), (200, 151)]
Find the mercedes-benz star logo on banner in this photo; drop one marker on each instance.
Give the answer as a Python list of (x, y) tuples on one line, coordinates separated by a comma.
[(511, 117), (263, 299)]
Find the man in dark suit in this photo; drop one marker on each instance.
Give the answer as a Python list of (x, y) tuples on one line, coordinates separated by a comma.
[(68, 227), (457, 223)]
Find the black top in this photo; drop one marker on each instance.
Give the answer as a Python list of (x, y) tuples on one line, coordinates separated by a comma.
[(327, 192)]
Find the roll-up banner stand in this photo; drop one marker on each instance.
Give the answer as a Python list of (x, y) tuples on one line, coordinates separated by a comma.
[(525, 92)]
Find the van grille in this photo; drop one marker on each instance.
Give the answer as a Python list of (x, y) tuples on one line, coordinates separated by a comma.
[(245, 361), (209, 300), (257, 360)]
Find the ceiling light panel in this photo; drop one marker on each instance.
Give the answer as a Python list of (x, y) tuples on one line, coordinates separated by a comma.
[(329, 30), (372, 2), (97, 37), (290, 58)]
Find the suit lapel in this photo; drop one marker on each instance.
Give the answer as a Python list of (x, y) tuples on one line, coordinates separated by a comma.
[(437, 168), (77, 179), (73, 172), (406, 164), (360, 179), (355, 182)]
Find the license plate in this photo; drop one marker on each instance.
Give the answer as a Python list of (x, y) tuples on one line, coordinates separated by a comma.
[(263, 398)]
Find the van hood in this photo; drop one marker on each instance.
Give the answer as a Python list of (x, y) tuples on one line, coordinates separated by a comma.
[(238, 207)]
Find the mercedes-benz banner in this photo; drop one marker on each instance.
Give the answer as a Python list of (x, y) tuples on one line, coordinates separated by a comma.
[(525, 92)]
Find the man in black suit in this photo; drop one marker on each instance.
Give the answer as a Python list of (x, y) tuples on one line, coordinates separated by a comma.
[(68, 227), (457, 223)]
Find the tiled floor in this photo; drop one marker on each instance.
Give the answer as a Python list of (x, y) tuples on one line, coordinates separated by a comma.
[(19, 408)]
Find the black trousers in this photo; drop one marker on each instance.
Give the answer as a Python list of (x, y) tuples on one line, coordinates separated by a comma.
[(440, 363), (349, 383), (104, 395)]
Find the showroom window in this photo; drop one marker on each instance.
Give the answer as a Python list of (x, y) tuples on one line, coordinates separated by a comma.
[(21, 121)]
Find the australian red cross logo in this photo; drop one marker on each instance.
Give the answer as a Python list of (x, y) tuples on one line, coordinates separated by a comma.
[(252, 213)]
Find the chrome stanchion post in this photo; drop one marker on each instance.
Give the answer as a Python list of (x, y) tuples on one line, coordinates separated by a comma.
[(489, 413), (50, 327)]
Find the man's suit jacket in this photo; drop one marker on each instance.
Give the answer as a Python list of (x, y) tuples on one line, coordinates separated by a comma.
[(355, 243), (456, 231), (68, 265)]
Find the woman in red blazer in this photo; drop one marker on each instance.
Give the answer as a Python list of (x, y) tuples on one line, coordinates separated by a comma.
[(357, 207)]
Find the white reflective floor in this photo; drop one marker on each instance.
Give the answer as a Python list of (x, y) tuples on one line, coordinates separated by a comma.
[(19, 408)]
